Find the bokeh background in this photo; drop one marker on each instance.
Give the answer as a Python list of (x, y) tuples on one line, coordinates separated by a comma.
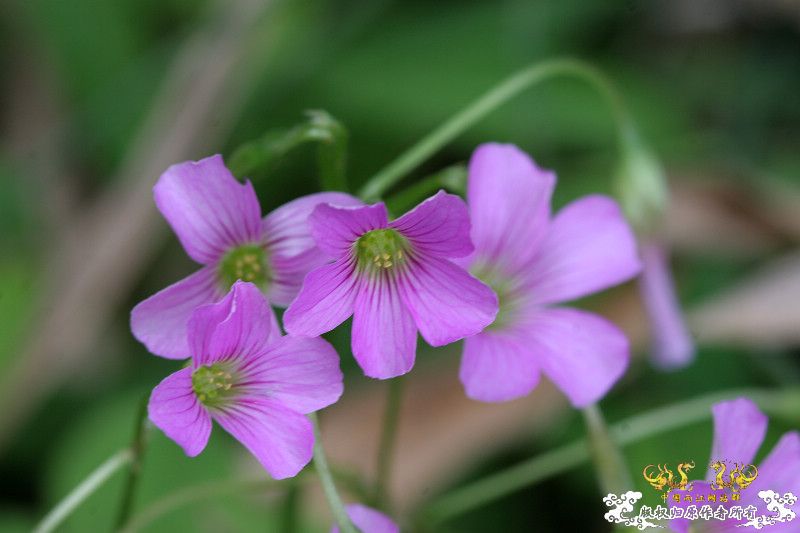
[(99, 97)]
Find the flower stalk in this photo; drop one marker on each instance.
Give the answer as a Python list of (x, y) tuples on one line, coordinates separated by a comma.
[(134, 472), (483, 106), (328, 485), (387, 443)]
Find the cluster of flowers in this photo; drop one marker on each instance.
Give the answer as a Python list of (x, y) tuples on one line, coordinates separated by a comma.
[(492, 271)]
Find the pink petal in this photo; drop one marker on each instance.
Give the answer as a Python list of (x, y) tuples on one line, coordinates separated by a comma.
[(438, 226), (384, 338), (780, 470), (302, 374), (281, 439), (325, 300), (160, 321), (739, 430), (175, 410), (335, 229), (498, 366), (446, 302), (207, 208), (589, 247), (672, 345), (368, 520), (582, 353), (290, 247), (509, 204), (237, 327)]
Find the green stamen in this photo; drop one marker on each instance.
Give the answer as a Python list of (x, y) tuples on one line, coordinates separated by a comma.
[(247, 263), (213, 384), (381, 249)]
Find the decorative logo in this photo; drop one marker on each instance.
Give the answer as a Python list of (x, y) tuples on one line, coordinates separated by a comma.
[(724, 493)]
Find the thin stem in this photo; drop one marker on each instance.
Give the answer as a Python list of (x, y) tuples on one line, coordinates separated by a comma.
[(452, 178), (137, 452), (612, 470), (328, 486), (494, 98), (85, 489), (386, 447), (193, 494), (634, 429)]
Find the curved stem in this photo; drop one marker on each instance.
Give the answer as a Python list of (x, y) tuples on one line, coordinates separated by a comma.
[(499, 95), (328, 486), (634, 429), (386, 447), (85, 489)]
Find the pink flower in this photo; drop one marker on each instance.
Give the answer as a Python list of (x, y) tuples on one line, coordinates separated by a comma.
[(253, 382), (672, 345), (535, 262), (368, 520), (739, 431), (395, 278), (218, 221)]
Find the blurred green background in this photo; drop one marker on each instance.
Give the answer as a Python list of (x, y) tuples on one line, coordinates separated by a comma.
[(99, 97)]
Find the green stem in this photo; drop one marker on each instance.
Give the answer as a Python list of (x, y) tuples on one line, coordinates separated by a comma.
[(654, 422), (612, 470), (386, 447), (328, 485), (137, 452), (85, 489), (452, 178), (494, 98), (193, 494), (290, 507)]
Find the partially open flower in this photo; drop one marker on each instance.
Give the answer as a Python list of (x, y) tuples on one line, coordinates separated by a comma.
[(218, 221), (255, 383), (739, 431), (368, 520), (535, 262), (395, 278)]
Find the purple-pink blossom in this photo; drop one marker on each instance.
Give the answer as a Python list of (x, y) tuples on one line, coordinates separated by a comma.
[(395, 278), (218, 221), (739, 431), (255, 383), (535, 262), (368, 520), (672, 346)]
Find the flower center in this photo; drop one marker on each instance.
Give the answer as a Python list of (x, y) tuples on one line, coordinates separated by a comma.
[(247, 263), (212, 384), (381, 249), (507, 297)]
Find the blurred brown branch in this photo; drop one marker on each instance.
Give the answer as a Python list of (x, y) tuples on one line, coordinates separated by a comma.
[(88, 276)]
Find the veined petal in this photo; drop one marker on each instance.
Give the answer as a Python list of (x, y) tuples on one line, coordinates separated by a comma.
[(582, 353), (286, 229), (384, 337), (509, 204), (589, 247), (301, 373), (498, 366), (335, 229), (368, 520), (290, 247), (731, 443), (438, 226), (207, 208), (237, 327), (175, 410), (160, 321), (446, 302), (281, 439), (325, 300)]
